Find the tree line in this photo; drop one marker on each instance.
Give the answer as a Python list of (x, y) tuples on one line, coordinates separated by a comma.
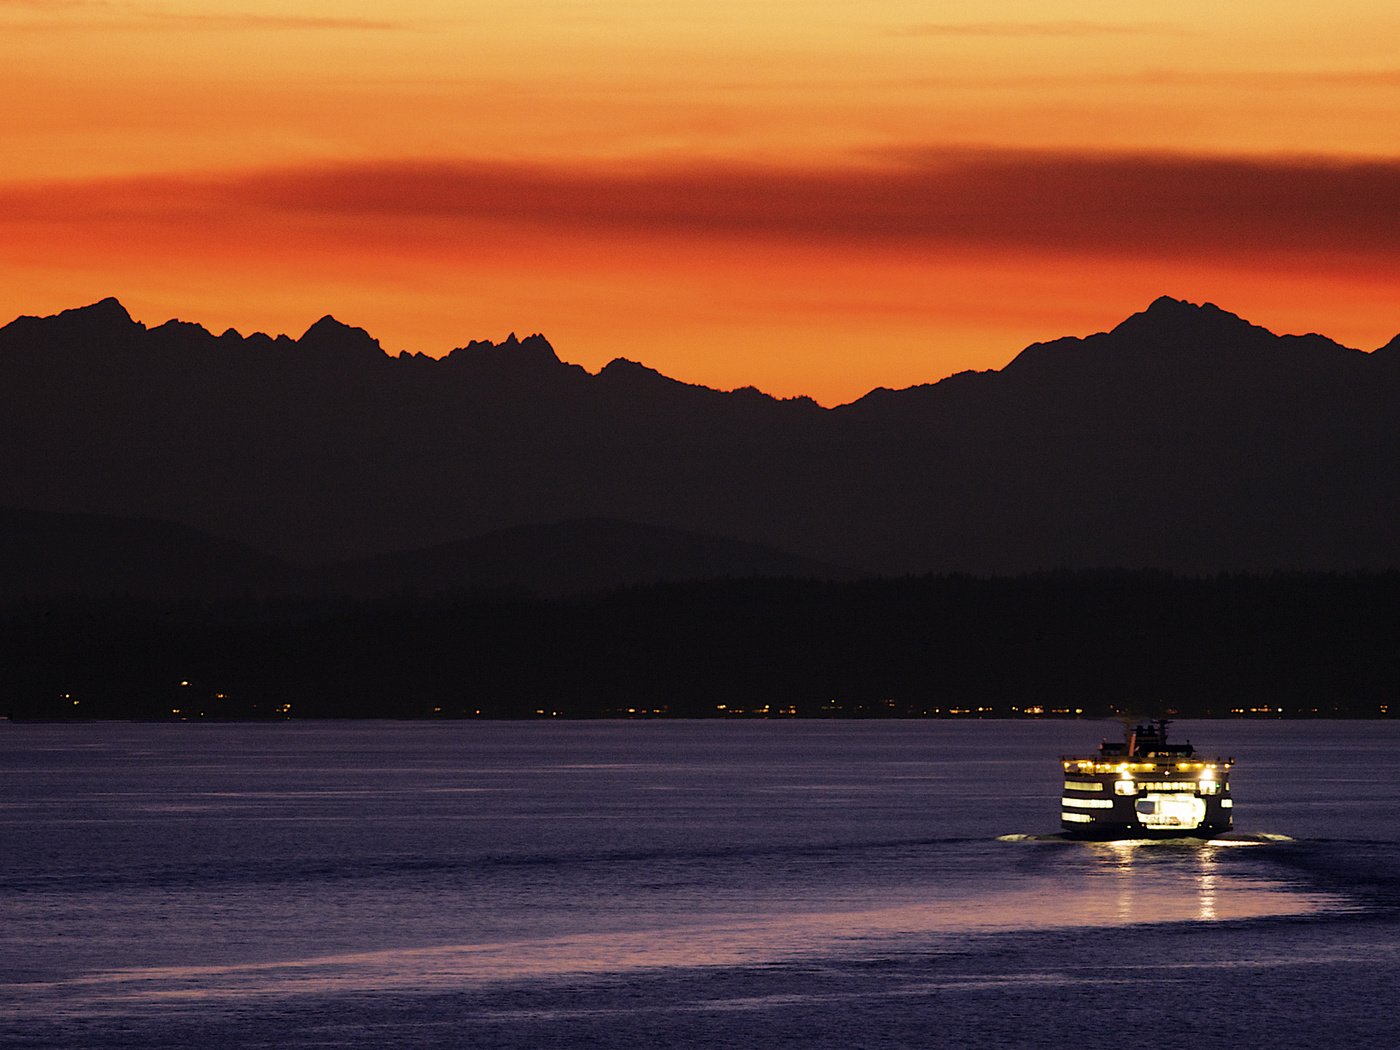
[(1086, 642)]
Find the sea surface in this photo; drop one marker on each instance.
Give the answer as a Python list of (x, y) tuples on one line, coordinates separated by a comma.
[(670, 883)]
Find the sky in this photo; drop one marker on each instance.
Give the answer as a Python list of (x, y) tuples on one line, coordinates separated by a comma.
[(813, 198)]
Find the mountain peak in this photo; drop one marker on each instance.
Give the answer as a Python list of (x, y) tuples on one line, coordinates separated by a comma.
[(635, 379), (331, 336), (620, 367), (1171, 334), (533, 349), (104, 323), (538, 346), (1178, 322), (327, 327), (104, 311), (1167, 305)]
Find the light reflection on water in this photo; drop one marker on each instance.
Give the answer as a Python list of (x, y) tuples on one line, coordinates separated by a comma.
[(176, 867), (1126, 883)]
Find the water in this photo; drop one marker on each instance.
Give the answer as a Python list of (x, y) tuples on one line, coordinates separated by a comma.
[(680, 884)]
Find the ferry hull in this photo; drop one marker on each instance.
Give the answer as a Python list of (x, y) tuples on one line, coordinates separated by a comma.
[(1116, 811), (1107, 832)]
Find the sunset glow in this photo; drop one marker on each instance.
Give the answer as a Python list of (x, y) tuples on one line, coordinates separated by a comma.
[(812, 198)]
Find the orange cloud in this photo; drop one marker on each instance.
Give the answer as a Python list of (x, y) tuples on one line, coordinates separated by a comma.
[(1152, 205)]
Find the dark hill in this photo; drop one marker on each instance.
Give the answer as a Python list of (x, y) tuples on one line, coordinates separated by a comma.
[(54, 555), (573, 557), (90, 555), (1185, 438)]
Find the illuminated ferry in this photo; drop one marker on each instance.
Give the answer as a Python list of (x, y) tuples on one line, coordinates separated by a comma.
[(1144, 787)]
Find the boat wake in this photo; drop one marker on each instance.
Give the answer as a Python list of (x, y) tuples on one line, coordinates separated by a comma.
[(1229, 838)]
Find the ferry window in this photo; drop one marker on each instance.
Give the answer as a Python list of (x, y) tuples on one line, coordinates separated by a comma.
[(1087, 803), (1206, 787), (1124, 787)]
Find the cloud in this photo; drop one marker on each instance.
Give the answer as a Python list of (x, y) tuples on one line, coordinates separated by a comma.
[(1057, 28), (245, 20), (113, 14), (1051, 203), (1135, 203), (1283, 80)]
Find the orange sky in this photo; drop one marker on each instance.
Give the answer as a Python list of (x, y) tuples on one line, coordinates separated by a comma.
[(812, 197)]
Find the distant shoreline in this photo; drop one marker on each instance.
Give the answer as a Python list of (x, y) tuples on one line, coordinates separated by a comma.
[(1091, 644), (578, 719)]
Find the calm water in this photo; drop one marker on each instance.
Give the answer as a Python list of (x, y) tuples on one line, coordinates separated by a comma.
[(673, 883)]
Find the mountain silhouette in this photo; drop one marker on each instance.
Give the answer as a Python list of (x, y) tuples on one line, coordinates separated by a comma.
[(1185, 438), (57, 555)]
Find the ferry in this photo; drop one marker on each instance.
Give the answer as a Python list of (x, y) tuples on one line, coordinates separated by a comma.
[(1144, 787)]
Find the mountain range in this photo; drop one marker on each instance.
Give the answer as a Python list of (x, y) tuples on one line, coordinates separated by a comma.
[(1184, 439)]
